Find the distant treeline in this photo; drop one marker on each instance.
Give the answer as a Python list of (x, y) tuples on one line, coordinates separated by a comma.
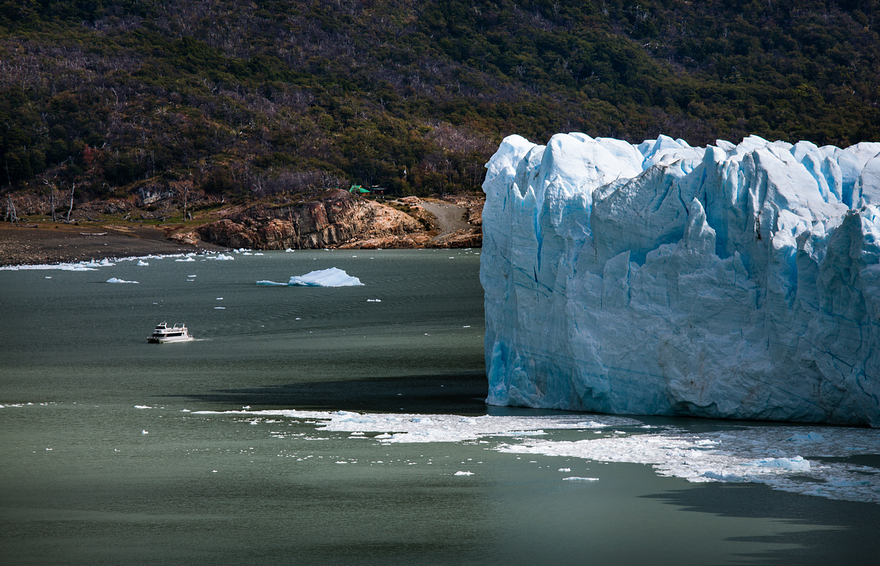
[(266, 96)]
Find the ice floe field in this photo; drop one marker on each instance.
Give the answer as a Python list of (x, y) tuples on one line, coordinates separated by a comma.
[(314, 423)]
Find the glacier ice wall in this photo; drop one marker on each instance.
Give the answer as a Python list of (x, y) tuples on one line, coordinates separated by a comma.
[(732, 281)]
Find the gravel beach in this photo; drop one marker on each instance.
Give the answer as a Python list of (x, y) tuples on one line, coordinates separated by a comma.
[(47, 242)]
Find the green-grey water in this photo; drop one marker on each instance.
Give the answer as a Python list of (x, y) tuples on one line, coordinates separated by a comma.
[(114, 451)]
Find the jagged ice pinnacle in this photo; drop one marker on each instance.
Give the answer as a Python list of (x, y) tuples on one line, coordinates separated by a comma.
[(733, 281)]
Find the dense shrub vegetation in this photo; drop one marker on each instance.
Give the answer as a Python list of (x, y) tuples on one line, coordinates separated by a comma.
[(263, 96)]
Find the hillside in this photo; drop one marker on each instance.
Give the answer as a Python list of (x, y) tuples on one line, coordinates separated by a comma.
[(161, 108)]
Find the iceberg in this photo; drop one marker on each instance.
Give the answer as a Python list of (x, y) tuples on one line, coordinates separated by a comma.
[(731, 281), (332, 277)]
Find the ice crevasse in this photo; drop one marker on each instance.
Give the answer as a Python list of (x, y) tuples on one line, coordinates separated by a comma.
[(731, 281)]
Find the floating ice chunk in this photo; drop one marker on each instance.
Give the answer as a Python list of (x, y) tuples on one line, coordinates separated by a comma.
[(575, 478), (43, 267), (186, 259), (591, 424), (463, 474), (526, 433), (220, 257), (332, 277), (809, 437), (117, 280), (142, 263), (796, 463), (722, 476), (97, 264)]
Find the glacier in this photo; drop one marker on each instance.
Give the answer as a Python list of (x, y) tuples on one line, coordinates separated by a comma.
[(728, 281)]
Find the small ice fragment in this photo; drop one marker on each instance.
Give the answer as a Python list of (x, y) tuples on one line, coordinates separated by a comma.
[(796, 463), (564, 469), (144, 432), (575, 478), (809, 437), (463, 474), (117, 280)]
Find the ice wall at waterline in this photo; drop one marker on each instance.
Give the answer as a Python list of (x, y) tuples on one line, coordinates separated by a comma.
[(735, 281)]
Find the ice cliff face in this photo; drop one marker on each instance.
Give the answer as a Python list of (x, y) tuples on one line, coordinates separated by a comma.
[(734, 281)]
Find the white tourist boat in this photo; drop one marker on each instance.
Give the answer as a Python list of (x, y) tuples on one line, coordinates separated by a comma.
[(163, 334)]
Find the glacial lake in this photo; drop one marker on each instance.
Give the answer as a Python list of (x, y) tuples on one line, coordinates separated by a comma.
[(346, 425)]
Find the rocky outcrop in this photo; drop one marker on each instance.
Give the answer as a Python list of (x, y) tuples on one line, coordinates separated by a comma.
[(339, 220)]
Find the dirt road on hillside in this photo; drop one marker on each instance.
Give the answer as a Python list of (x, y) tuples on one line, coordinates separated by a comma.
[(449, 216)]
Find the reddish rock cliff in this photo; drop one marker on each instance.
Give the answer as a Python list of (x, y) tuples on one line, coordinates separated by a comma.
[(339, 220)]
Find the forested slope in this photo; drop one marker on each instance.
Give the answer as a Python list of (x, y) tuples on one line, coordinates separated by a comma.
[(242, 99)]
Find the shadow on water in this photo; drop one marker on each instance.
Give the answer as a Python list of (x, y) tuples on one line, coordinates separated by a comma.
[(835, 532), (453, 394)]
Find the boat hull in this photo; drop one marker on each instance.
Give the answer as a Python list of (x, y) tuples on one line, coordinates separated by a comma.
[(169, 339)]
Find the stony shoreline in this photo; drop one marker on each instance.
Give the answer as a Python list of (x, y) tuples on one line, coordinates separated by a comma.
[(43, 242), (49, 242)]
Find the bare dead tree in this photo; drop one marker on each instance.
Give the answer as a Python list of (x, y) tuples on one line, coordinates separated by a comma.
[(185, 195), (10, 210), (51, 186), (69, 210)]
